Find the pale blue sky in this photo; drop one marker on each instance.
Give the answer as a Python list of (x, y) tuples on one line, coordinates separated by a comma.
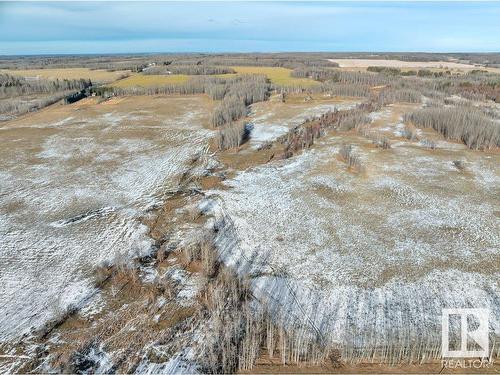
[(121, 27)]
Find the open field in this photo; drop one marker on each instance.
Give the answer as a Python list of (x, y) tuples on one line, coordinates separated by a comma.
[(68, 73), (277, 75), (364, 63), (435, 66), (237, 226), (131, 149)]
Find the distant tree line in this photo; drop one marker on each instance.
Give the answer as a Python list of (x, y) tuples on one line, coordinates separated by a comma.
[(398, 72), (214, 86), (475, 85), (11, 86), (318, 74), (344, 89), (188, 70), (137, 62), (20, 95)]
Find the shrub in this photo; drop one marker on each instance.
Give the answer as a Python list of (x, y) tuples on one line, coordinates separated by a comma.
[(424, 73), (409, 73), (382, 142), (408, 133), (350, 158), (428, 144), (459, 164)]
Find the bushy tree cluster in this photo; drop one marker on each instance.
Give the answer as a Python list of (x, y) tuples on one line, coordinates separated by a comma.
[(231, 109), (12, 86), (466, 124), (388, 96), (20, 95), (242, 92), (384, 70), (344, 89), (20, 105), (318, 74)]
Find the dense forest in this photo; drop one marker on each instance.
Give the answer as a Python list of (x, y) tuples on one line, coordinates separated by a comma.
[(137, 62)]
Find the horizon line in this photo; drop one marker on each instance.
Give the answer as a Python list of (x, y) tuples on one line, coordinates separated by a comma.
[(245, 53)]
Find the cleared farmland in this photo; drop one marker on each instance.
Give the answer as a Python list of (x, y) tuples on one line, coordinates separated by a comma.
[(364, 63), (277, 75), (68, 73)]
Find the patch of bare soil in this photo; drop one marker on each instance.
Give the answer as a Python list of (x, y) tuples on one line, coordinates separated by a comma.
[(265, 366)]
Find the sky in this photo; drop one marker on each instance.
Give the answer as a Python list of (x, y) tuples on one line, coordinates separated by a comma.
[(135, 27)]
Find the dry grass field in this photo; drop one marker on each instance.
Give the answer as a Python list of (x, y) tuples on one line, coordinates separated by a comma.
[(239, 226), (277, 75), (69, 73), (134, 149), (364, 63)]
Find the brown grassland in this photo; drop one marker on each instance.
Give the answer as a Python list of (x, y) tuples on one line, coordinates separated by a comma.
[(68, 73), (364, 154)]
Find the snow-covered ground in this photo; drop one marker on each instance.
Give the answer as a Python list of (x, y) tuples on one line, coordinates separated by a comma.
[(369, 259), (365, 63), (366, 259), (267, 125), (73, 186)]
